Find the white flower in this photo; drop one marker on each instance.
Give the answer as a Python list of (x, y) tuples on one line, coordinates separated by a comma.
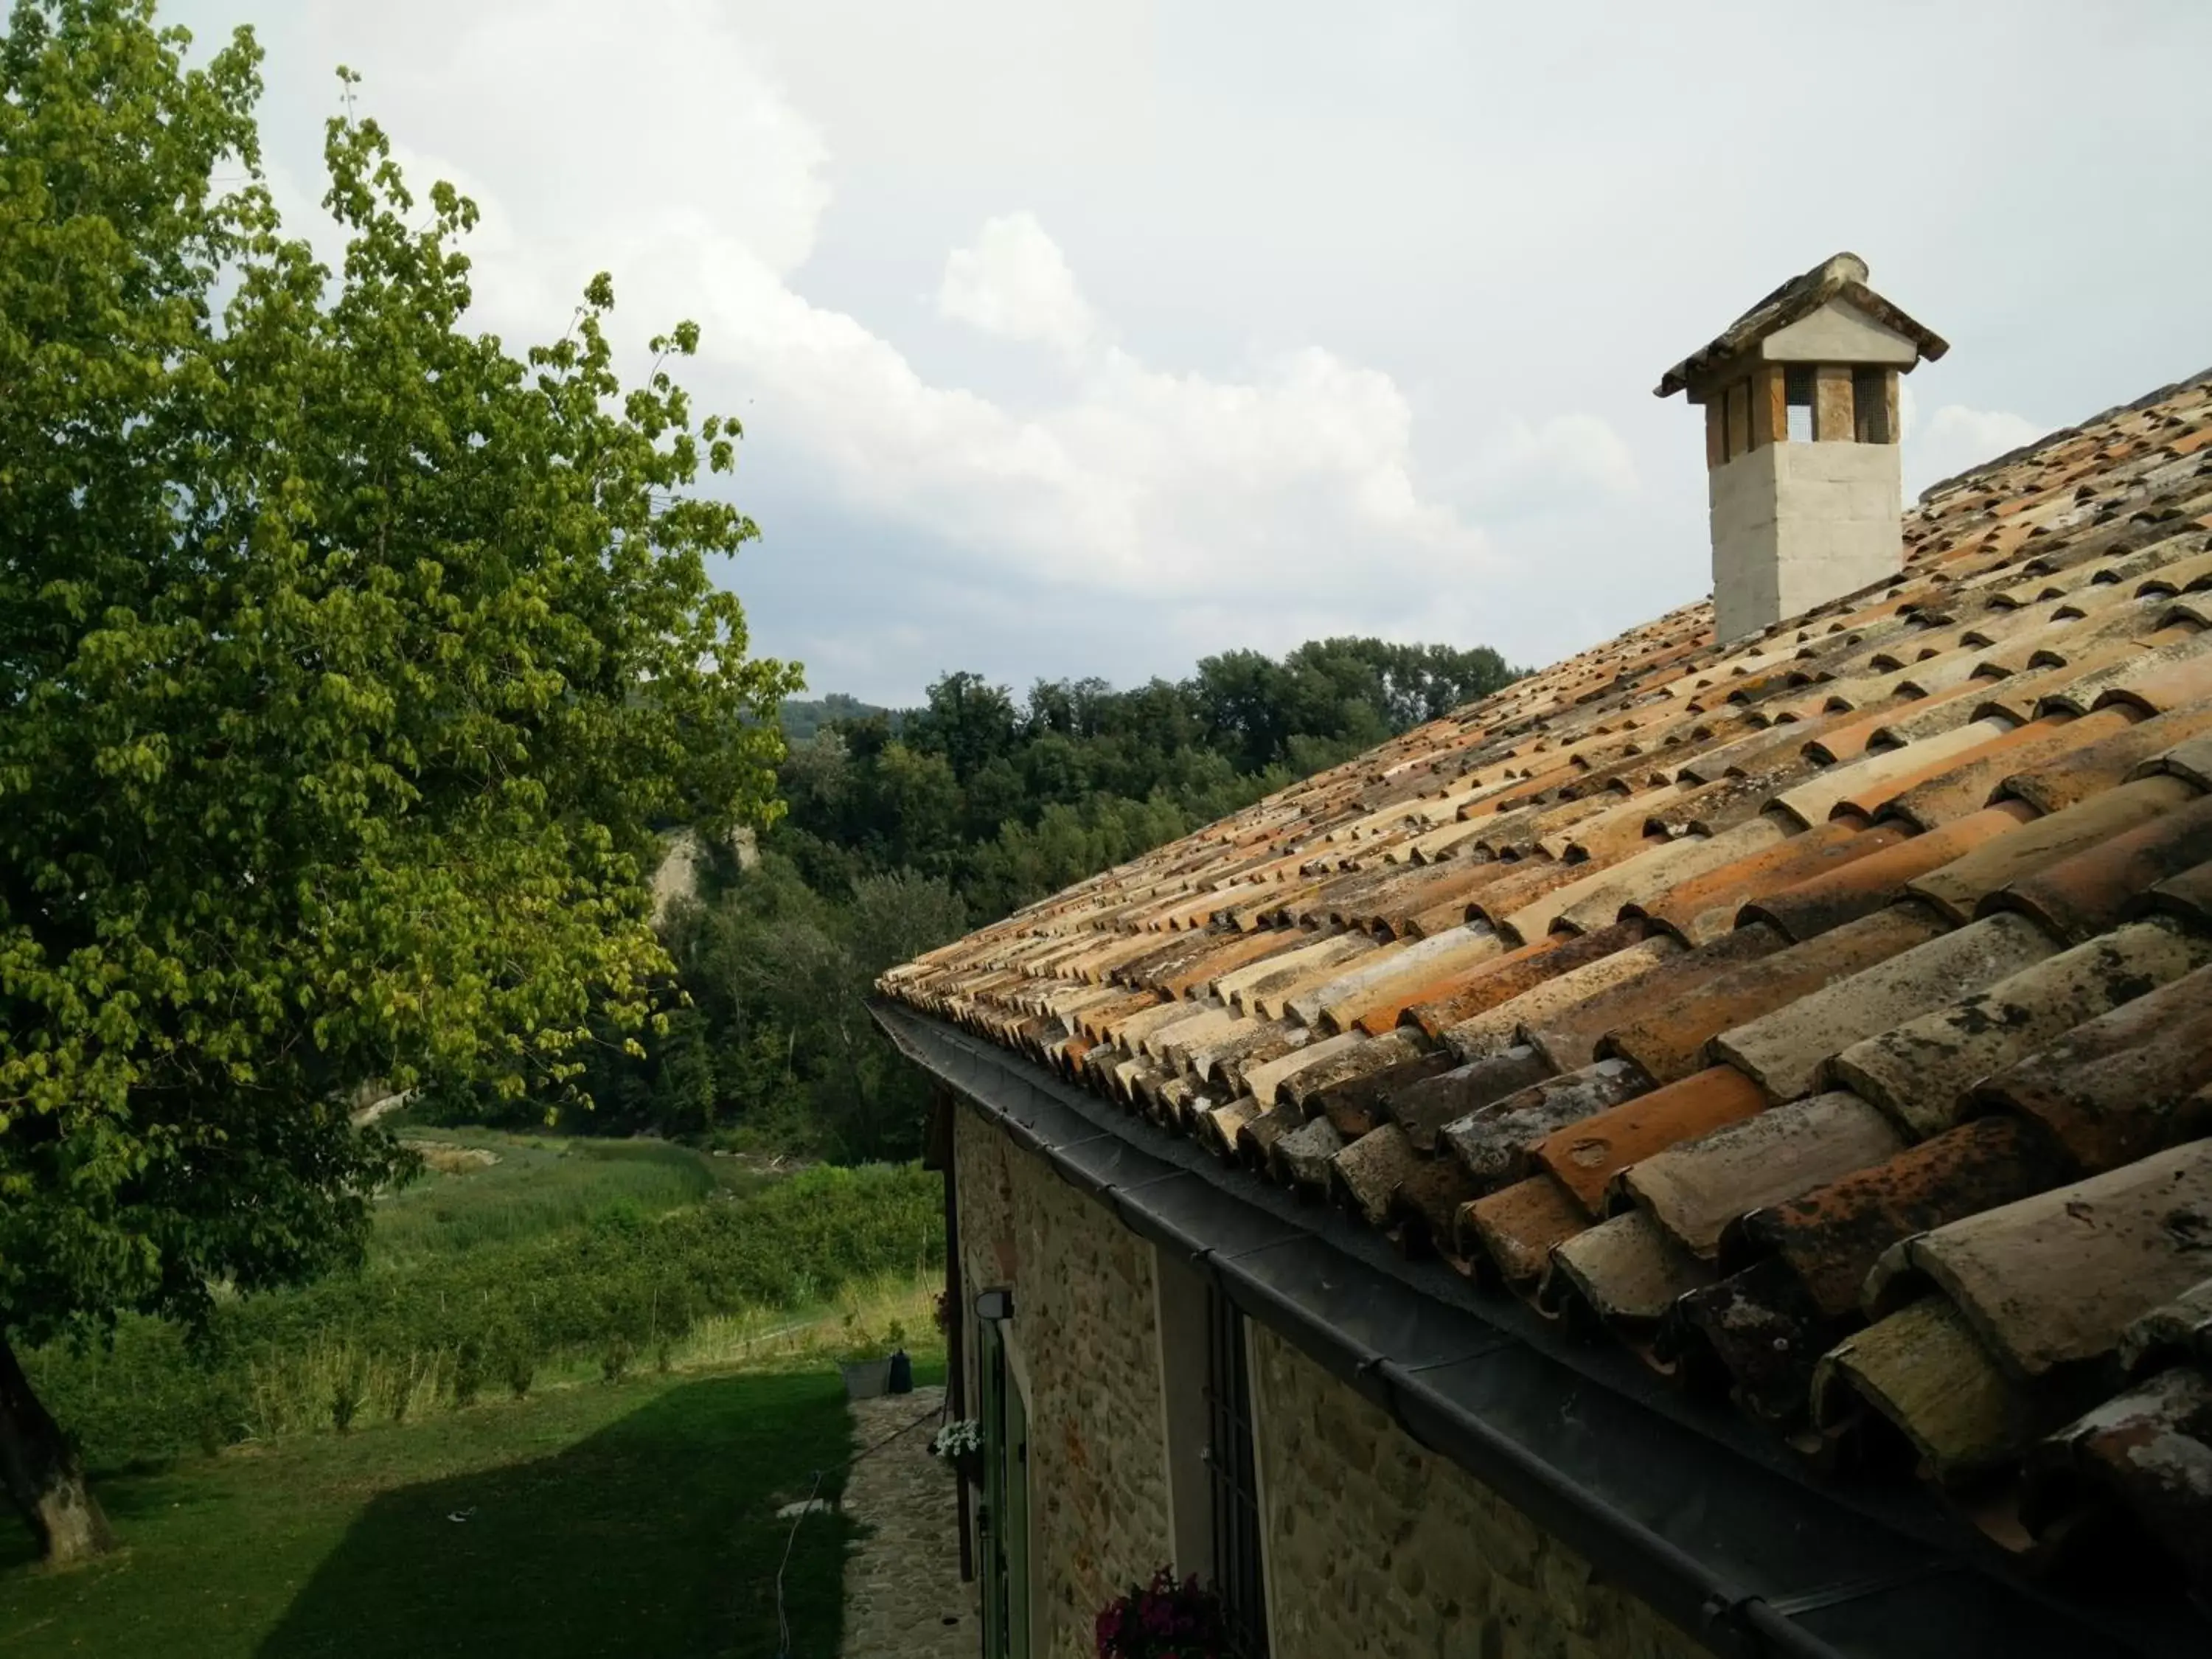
[(957, 1439)]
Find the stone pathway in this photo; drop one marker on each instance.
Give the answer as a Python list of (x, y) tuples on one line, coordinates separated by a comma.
[(904, 1597)]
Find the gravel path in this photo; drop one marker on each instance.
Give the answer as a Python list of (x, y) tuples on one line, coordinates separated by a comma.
[(904, 1597)]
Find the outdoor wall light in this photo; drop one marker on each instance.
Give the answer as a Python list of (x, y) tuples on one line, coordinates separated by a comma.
[(995, 1306)]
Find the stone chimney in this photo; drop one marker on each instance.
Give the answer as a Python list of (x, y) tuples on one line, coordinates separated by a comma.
[(1801, 444)]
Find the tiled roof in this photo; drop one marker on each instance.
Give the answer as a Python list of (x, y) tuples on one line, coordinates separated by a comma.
[(1828, 1017)]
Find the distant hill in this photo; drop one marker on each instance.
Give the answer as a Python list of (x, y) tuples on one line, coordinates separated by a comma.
[(804, 716)]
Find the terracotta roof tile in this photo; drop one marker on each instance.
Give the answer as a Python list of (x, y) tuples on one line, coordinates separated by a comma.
[(1787, 1051), (1360, 1104), (2057, 1278), (1221, 1064), (1831, 1235), (1568, 1036), (1866, 783), (1924, 1369), (1918, 1072), (1703, 907), (2081, 897), (1697, 1190), (1269, 996), (1304, 1087), (2121, 1085), (1693, 855), (2187, 896), (1972, 782), (1672, 1042), (1706, 808), (1518, 1227), (1495, 1143), (1523, 884), (1367, 1173), (2180, 1329), (2055, 785), (1423, 1210), (1500, 1027), (1263, 1079), (1334, 1006), (1758, 1329), (2148, 1449), (1584, 1156), (1179, 974), (1434, 885), (1998, 905), (1959, 887), (1865, 885), (1426, 1108), (1505, 977), (1625, 1270)]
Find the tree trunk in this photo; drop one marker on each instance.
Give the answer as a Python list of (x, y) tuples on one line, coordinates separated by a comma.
[(43, 1475)]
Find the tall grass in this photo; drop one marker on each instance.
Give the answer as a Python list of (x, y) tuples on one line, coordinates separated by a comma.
[(437, 1327), (537, 1185)]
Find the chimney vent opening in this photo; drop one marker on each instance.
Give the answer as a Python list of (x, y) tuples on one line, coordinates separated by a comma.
[(1797, 397)]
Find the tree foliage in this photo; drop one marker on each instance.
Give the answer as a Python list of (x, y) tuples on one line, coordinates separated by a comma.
[(346, 663), (1012, 800), (907, 826)]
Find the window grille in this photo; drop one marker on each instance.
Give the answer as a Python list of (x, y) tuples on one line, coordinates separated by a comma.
[(1237, 1571)]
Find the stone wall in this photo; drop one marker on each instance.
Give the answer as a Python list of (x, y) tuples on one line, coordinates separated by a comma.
[(1795, 524), (1082, 1342), (1376, 1546)]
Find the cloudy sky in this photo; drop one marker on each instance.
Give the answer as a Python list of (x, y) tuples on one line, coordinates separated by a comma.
[(1076, 339)]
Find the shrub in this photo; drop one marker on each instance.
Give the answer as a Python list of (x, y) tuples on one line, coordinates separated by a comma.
[(517, 1360), (349, 1393), (400, 1342), (614, 1359), (468, 1370)]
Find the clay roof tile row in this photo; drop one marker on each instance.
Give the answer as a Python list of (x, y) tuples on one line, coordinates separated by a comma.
[(1827, 1015)]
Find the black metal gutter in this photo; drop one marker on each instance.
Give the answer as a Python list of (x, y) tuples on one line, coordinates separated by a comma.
[(1690, 1510)]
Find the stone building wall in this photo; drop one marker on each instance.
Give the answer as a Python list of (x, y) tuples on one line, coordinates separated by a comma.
[(1082, 1339), (1379, 1548), (1375, 1548)]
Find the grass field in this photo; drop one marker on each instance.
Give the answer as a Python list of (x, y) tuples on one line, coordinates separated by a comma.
[(609, 1511), (538, 1184), (514, 1263), (635, 1520)]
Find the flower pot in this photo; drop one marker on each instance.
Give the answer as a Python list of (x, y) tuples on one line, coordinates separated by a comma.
[(967, 1465), (865, 1379)]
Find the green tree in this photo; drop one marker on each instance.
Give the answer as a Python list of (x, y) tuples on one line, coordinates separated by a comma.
[(346, 664)]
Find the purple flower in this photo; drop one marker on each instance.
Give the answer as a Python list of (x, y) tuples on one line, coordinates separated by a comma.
[(1164, 1619)]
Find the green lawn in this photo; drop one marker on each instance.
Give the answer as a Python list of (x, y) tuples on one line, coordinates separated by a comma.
[(635, 1520)]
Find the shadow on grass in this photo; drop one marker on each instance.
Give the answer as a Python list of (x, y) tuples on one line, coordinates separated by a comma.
[(656, 1538)]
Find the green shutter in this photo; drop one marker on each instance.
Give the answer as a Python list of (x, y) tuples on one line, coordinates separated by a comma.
[(991, 1367), (1003, 1525), (1018, 1521)]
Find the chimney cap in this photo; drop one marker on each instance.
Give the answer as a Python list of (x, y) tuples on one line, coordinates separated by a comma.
[(1840, 277)]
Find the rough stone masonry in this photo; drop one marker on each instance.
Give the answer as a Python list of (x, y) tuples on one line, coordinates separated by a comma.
[(1375, 1547)]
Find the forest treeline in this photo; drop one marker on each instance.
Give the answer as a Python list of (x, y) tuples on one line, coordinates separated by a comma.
[(907, 828)]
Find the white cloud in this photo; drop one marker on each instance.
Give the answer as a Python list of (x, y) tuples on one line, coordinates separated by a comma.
[(1014, 282), (1294, 474), (1273, 496), (1561, 463), (1310, 324), (1955, 438)]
